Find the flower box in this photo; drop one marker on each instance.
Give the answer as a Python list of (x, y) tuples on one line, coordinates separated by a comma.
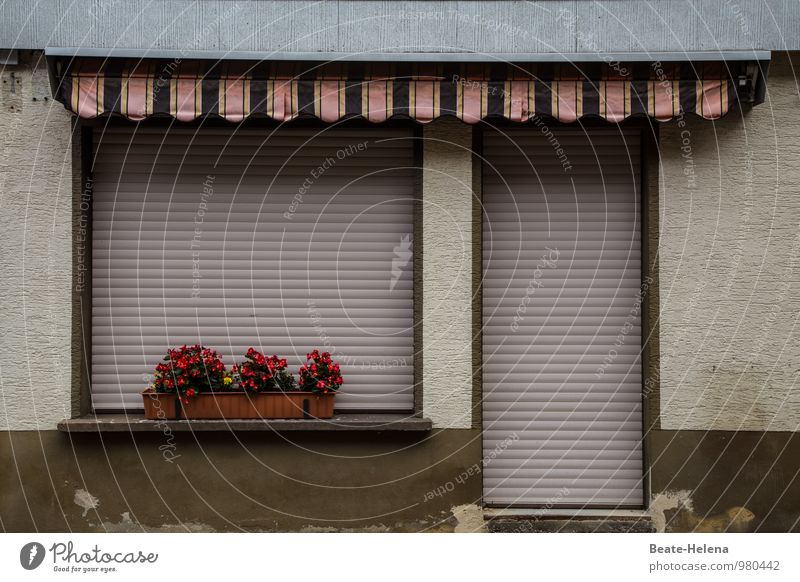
[(238, 405)]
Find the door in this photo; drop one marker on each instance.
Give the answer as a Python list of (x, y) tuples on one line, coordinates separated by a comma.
[(562, 341)]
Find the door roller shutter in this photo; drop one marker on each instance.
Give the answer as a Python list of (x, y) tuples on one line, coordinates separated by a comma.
[(284, 240), (561, 314)]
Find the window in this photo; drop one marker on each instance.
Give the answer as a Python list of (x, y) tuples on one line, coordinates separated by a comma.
[(284, 239)]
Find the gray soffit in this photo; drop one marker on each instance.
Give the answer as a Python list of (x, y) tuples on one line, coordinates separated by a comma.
[(585, 57), (348, 27)]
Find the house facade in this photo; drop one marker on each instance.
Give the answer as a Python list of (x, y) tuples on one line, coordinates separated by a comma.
[(552, 246)]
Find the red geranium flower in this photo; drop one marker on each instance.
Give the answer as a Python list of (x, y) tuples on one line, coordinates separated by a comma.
[(320, 374), (265, 374), (188, 371)]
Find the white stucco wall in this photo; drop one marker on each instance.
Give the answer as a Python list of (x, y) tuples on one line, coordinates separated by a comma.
[(729, 266), (728, 256), (35, 262), (447, 274)]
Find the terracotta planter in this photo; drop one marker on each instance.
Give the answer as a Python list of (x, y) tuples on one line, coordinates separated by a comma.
[(158, 406), (233, 405)]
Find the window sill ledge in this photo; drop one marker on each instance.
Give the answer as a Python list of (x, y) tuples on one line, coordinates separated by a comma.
[(109, 423)]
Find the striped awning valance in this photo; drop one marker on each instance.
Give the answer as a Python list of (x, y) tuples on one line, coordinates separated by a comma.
[(188, 90)]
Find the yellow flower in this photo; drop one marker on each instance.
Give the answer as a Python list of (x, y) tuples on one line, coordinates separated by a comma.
[(227, 381)]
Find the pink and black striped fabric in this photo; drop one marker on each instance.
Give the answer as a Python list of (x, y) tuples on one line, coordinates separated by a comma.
[(235, 91)]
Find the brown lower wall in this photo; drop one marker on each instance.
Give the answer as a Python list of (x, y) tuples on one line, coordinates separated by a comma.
[(725, 481), (225, 482), (702, 481)]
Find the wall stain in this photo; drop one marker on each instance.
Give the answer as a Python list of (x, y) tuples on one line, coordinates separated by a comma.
[(128, 525), (469, 519), (735, 519), (666, 501), (85, 500), (368, 529), (673, 511)]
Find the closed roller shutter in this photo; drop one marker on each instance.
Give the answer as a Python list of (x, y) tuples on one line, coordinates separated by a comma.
[(561, 310), (203, 236)]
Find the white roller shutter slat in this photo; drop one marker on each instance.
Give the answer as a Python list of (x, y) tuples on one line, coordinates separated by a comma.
[(562, 373), (335, 273)]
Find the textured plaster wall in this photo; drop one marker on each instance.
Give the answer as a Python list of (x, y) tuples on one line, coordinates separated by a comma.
[(728, 258), (35, 256), (447, 274)]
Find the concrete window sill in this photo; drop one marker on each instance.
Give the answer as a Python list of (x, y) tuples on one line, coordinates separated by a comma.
[(108, 423)]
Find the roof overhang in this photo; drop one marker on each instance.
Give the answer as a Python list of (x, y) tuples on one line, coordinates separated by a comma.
[(421, 86)]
